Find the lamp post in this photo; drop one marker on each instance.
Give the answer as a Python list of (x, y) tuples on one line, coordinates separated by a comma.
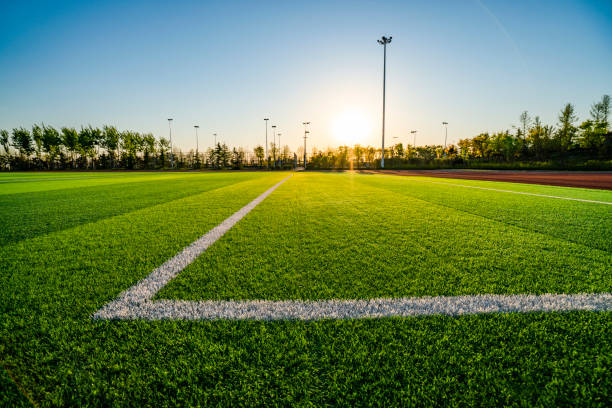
[(171, 155), (274, 143), (384, 41), (215, 135), (414, 139), (305, 135), (266, 120), (445, 124)]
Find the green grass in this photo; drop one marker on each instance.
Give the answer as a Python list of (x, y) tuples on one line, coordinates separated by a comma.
[(56, 270), (349, 236), (29, 213)]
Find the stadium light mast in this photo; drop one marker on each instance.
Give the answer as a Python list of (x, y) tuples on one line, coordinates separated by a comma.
[(215, 135), (384, 41), (266, 120), (305, 136), (414, 139), (445, 124), (171, 154), (274, 143), (197, 142)]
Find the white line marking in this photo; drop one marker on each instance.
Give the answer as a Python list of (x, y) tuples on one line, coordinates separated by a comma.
[(510, 191), (144, 290), (356, 309), (136, 302)]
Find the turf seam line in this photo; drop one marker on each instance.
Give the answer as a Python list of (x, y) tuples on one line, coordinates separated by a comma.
[(515, 192), (144, 290)]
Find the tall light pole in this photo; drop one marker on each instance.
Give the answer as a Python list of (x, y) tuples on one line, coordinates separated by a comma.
[(384, 41), (197, 143), (279, 152), (266, 120), (414, 139), (274, 143), (215, 135), (445, 124), (305, 136), (171, 154)]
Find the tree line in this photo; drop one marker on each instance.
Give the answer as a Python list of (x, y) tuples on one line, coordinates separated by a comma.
[(587, 144), (45, 147), (567, 144)]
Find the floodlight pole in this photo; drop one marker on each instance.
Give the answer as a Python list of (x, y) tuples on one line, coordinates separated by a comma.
[(215, 135), (266, 120), (274, 143), (171, 154), (384, 41), (414, 140), (445, 135), (305, 135)]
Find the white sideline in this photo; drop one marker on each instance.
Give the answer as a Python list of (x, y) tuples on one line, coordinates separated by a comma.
[(355, 309), (511, 191), (136, 302)]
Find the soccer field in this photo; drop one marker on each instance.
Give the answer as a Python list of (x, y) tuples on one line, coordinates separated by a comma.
[(333, 289)]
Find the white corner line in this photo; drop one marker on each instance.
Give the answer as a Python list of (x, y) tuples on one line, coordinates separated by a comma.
[(511, 191), (143, 291)]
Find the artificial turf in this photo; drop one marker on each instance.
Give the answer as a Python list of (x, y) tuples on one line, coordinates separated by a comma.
[(52, 282), (350, 236)]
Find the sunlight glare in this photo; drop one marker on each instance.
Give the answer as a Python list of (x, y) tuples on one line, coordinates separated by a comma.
[(351, 127)]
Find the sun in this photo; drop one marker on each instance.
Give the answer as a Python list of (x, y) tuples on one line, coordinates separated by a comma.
[(351, 127)]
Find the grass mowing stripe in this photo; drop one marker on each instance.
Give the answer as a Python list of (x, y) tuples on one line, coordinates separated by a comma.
[(546, 233), (573, 221), (134, 306), (332, 237), (45, 212), (514, 192), (143, 291)]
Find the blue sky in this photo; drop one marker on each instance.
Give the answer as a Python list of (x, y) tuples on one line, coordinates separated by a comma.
[(226, 65)]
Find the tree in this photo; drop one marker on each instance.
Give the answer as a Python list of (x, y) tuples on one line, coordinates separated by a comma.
[(37, 137), (600, 111), (237, 158), (110, 142), (70, 139), (525, 123), (148, 141), (163, 146), (51, 143), (593, 132), (87, 142), (566, 132), (259, 153), (4, 140), (22, 141)]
